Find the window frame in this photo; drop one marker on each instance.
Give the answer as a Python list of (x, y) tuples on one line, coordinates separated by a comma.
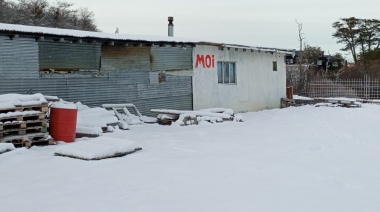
[(274, 66), (224, 69)]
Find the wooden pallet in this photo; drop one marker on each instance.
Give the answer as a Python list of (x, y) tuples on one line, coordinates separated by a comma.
[(41, 108), (7, 110), (28, 140), (20, 108), (26, 117), (25, 131), (23, 124)]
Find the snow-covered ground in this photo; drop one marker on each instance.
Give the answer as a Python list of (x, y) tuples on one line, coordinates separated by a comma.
[(306, 159)]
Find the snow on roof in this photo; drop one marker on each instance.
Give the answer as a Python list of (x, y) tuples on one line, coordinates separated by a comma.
[(89, 34), (265, 49), (14, 28)]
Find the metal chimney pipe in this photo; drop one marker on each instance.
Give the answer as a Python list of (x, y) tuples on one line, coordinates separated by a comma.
[(170, 26)]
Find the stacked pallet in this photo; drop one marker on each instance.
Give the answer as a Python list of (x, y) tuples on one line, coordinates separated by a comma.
[(24, 125)]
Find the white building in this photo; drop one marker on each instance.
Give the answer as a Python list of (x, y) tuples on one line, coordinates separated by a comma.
[(238, 77)]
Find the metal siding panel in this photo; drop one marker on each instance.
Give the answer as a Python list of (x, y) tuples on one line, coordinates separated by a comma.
[(171, 58), (25, 86), (175, 93), (62, 56), (18, 58), (116, 58), (129, 77), (172, 102), (174, 86)]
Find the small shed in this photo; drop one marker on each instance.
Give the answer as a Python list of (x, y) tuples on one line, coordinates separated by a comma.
[(243, 78), (149, 71)]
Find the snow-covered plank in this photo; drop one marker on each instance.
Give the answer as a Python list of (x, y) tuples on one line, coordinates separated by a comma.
[(21, 100), (97, 148), (20, 114)]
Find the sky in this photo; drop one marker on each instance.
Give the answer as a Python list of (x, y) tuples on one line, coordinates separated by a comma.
[(266, 23)]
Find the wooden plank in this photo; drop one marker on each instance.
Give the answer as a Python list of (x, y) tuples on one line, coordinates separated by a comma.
[(288, 100), (42, 108), (118, 154), (26, 117), (13, 125), (81, 135), (7, 110), (23, 124), (39, 142), (23, 137)]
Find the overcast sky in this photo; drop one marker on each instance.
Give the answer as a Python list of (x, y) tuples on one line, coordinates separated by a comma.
[(267, 23)]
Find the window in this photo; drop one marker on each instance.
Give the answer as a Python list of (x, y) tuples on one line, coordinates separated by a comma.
[(274, 65), (226, 72)]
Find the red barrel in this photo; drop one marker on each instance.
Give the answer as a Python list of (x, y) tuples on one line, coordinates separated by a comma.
[(289, 92), (63, 122)]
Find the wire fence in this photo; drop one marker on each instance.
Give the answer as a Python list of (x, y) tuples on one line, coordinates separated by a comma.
[(366, 88)]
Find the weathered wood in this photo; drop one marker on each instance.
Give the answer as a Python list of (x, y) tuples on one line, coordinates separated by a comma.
[(318, 102), (197, 113), (18, 139), (87, 135), (118, 154)]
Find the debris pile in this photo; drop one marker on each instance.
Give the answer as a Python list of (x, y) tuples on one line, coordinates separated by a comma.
[(318, 102), (184, 118), (129, 114), (92, 122)]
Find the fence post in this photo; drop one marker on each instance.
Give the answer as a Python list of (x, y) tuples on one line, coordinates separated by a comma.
[(366, 86)]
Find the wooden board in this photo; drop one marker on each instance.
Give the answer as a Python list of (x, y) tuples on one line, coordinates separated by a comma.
[(26, 117), (17, 139), (121, 154), (22, 125)]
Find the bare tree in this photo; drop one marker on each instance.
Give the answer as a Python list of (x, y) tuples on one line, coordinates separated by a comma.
[(61, 14), (40, 13), (86, 20), (302, 85), (6, 10), (301, 39)]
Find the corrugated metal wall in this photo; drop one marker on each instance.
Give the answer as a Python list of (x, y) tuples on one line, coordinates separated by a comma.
[(171, 58), (115, 58), (66, 56), (18, 58), (132, 87), (125, 75)]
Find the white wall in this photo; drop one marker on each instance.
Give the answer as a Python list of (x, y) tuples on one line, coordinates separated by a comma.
[(257, 86)]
